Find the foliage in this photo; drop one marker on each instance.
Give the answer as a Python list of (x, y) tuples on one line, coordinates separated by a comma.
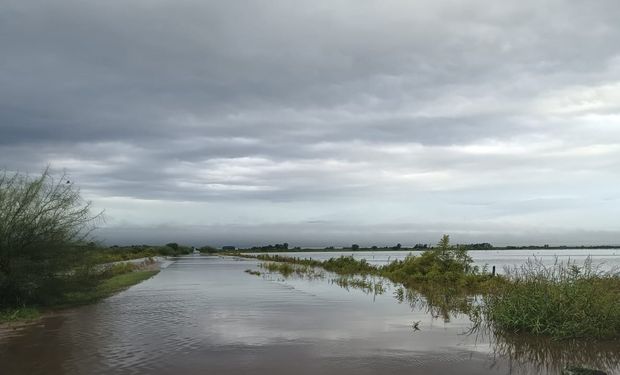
[(276, 247), (477, 246), (208, 250), (18, 314), (562, 301), (120, 253), (43, 221), (284, 268), (251, 272), (118, 269), (444, 262), (173, 245), (105, 288), (347, 265)]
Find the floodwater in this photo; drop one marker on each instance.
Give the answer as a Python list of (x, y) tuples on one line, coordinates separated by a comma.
[(205, 315), (602, 259)]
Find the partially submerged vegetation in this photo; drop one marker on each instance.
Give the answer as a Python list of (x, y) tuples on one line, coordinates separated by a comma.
[(563, 301), (441, 264), (252, 272), (287, 269)]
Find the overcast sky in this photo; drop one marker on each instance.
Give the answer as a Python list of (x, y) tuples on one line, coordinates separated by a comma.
[(321, 122)]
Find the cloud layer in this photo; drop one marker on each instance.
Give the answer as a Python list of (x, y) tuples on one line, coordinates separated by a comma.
[(322, 122)]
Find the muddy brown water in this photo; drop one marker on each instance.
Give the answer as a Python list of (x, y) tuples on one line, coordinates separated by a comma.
[(204, 315)]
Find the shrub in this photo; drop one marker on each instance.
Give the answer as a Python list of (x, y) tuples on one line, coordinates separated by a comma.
[(42, 222), (561, 301)]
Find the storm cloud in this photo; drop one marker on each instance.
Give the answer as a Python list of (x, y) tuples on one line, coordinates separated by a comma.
[(323, 122)]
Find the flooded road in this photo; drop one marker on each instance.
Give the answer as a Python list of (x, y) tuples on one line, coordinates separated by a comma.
[(205, 315)]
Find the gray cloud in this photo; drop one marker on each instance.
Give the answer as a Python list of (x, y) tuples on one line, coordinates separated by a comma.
[(363, 114)]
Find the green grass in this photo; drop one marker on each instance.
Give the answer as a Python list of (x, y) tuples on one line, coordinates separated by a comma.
[(81, 289), (284, 268), (19, 315), (562, 301), (106, 288)]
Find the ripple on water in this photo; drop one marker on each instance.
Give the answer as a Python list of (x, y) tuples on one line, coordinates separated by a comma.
[(205, 315)]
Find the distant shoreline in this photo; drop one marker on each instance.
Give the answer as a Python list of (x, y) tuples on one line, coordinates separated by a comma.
[(385, 249)]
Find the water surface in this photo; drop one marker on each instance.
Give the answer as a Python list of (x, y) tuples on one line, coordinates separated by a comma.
[(205, 315), (605, 259)]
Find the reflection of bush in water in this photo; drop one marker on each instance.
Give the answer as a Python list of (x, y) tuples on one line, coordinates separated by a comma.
[(439, 301), (287, 270), (534, 354), (562, 301), (526, 354), (369, 286)]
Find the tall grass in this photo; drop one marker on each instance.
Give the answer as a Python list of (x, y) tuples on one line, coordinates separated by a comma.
[(565, 300)]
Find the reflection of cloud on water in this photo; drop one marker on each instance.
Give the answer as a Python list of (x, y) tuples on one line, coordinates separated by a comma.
[(522, 354)]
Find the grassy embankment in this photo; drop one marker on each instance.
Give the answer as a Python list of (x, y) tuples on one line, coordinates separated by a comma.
[(562, 301), (111, 281)]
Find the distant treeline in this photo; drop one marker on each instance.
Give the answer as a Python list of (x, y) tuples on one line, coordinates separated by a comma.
[(284, 247), (114, 253)]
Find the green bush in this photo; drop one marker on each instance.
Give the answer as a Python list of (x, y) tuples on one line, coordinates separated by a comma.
[(347, 265), (563, 301), (43, 224)]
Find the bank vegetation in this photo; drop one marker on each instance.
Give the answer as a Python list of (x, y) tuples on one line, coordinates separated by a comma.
[(565, 300), (47, 258)]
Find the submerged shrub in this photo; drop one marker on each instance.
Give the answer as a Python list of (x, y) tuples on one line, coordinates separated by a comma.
[(347, 265), (442, 263), (284, 268)]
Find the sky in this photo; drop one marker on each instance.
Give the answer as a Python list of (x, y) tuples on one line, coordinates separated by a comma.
[(325, 122)]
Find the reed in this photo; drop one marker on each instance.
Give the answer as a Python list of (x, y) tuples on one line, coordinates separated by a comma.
[(565, 300)]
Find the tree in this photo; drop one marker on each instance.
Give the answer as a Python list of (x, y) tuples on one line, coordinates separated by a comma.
[(443, 249), (42, 220), (173, 245), (355, 247), (451, 256)]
